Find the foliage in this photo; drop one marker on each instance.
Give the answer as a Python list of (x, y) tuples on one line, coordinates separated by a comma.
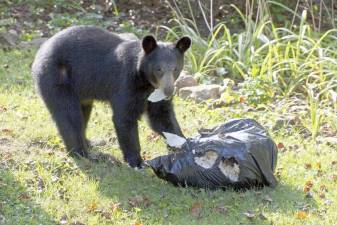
[(270, 60)]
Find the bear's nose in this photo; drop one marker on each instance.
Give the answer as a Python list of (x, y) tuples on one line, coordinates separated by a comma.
[(169, 90)]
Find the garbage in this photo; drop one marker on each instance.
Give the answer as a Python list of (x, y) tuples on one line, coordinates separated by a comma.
[(156, 96), (238, 154)]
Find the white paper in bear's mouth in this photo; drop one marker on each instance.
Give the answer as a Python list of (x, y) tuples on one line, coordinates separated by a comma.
[(157, 95), (174, 140)]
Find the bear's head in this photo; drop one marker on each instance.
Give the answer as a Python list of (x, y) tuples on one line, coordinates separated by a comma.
[(162, 62)]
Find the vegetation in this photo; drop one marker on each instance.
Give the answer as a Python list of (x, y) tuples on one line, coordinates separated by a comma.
[(271, 62), (285, 78)]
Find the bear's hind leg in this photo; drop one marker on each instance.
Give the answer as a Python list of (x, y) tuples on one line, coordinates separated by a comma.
[(65, 108)]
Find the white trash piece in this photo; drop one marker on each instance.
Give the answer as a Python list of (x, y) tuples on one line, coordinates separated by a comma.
[(156, 96), (174, 140)]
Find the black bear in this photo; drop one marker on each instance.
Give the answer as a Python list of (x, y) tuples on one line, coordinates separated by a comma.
[(85, 63)]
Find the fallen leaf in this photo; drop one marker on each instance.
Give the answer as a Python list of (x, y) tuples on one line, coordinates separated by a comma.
[(308, 185), (196, 209), (24, 196), (308, 166), (280, 146), (92, 207), (115, 206), (2, 109), (249, 214), (153, 137), (302, 215), (242, 99), (8, 132), (323, 188), (137, 223), (139, 200), (105, 215)]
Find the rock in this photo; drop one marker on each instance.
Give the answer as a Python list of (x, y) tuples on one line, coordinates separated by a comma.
[(129, 36), (37, 42), (200, 93), (186, 92), (185, 81), (8, 39)]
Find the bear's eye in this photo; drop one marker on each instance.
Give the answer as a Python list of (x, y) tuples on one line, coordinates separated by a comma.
[(159, 69), (175, 69)]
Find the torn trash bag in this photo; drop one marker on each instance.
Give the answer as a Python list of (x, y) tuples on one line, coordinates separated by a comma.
[(238, 154)]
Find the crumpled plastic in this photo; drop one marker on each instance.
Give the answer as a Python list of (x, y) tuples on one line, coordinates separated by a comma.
[(238, 154)]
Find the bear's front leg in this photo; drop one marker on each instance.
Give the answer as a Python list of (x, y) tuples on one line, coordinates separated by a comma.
[(127, 135), (162, 117)]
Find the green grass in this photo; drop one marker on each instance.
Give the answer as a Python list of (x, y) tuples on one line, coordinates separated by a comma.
[(40, 184)]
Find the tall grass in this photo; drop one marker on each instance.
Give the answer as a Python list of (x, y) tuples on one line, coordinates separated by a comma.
[(292, 61)]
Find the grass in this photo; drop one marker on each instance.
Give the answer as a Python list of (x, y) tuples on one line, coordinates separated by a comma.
[(40, 184)]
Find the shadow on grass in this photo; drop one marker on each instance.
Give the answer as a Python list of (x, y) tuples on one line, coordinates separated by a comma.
[(165, 203), (16, 207)]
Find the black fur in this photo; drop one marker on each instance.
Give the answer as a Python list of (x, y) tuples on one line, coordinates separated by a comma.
[(85, 63)]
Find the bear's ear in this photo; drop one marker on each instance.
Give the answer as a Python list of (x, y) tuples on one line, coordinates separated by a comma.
[(149, 43), (183, 44)]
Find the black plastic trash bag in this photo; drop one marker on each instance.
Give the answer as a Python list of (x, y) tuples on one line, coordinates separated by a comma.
[(238, 154)]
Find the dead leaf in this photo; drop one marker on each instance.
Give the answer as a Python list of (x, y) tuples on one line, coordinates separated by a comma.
[(302, 215), (137, 223), (308, 185), (2, 109), (242, 99), (105, 214), (321, 195), (139, 200), (153, 137), (196, 209), (323, 188), (92, 207), (115, 206), (249, 214), (8, 132), (308, 166), (24, 196), (280, 146)]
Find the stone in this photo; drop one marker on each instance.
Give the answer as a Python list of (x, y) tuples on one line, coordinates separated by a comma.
[(129, 36), (200, 93), (8, 39), (185, 81), (37, 42)]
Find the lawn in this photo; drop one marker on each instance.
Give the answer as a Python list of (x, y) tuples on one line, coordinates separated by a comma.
[(40, 184)]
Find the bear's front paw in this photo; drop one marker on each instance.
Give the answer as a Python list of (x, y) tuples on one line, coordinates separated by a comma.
[(135, 162)]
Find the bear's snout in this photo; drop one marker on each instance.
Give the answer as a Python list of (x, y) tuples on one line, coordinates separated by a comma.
[(166, 84)]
